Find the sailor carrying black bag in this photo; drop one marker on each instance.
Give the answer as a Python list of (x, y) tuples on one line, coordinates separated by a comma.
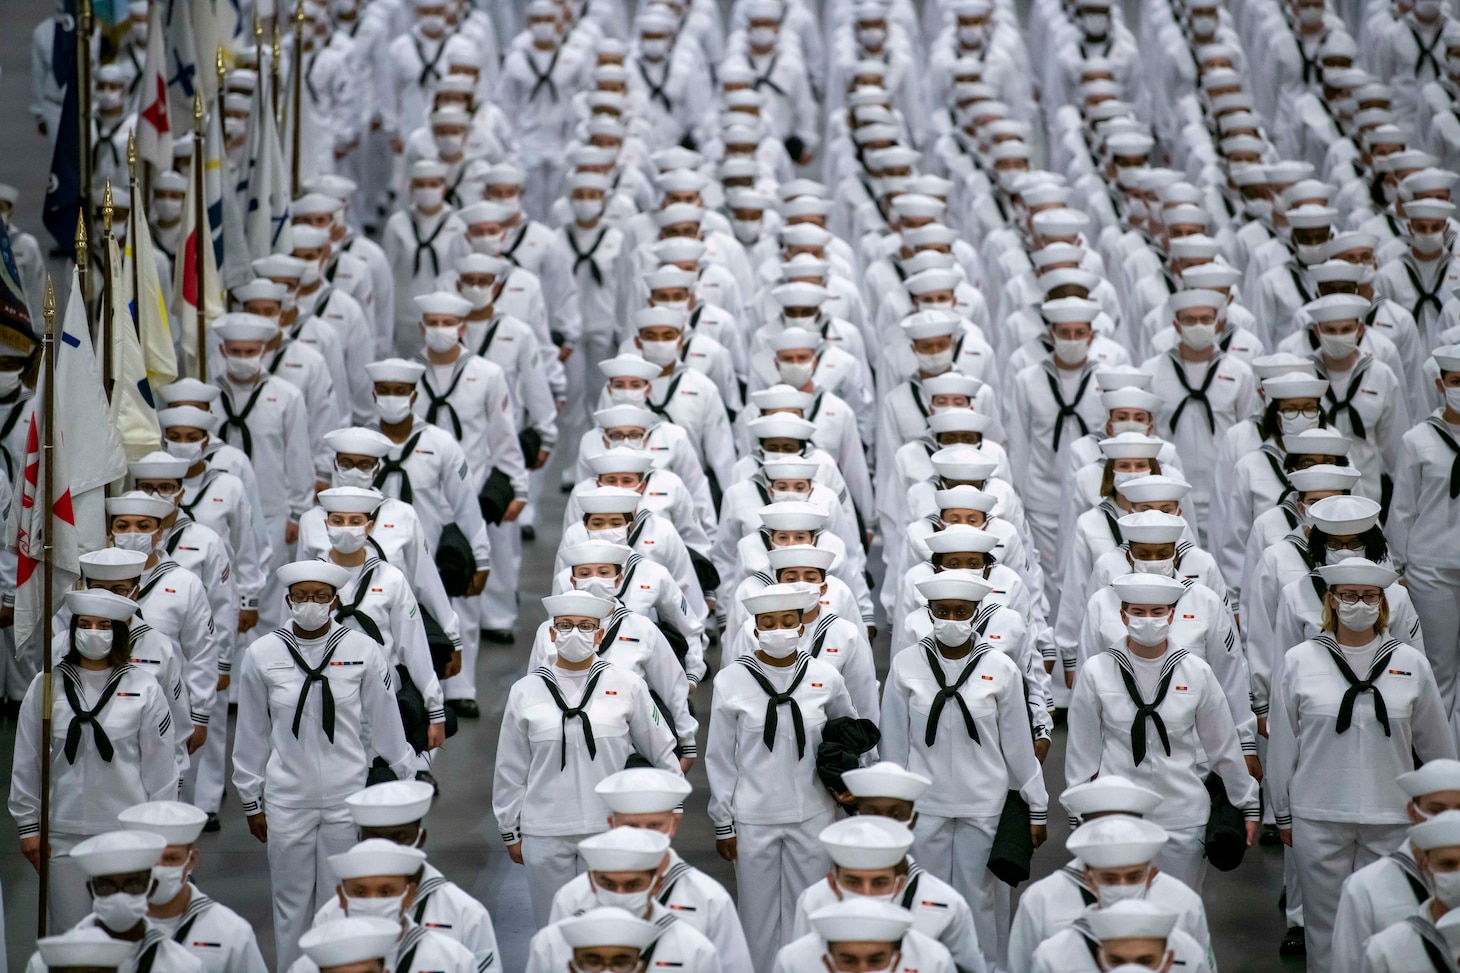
[(455, 561), (1226, 836)]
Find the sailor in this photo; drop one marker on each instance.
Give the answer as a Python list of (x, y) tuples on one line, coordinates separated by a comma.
[(1132, 935), (663, 491), (858, 935), (1423, 940), (87, 947), (603, 938)]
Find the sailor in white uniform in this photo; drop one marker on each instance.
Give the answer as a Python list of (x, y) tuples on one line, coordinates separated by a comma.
[(860, 934), (85, 946), (603, 938), (1132, 935), (1424, 939)]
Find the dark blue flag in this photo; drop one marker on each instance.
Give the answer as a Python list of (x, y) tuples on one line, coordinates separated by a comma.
[(63, 192)]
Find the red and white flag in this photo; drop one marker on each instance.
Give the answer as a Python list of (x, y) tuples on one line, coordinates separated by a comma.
[(154, 126), (87, 456)]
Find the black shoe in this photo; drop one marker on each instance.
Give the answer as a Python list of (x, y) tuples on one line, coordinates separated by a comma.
[(1269, 837), (499, 636), (213, 824), (529, 532), (465, 709), (425, 777), (1293, 943)]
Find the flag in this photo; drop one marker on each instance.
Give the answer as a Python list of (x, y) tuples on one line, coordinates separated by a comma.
[(87, 455), (154, 125), (133, 410), (148, 314), (187, 302), (183, 69), (266, 221), (62, 205), (225, 214), (16, 330), (206, 38)]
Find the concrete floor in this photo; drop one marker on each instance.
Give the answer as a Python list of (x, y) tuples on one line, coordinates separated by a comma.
[(463, 838)]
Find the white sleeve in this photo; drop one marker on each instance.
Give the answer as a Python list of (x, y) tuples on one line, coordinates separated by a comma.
[(509, 778)]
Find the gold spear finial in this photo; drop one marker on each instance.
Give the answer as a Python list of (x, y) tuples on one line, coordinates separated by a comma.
[(222, 68), (80, 235), (299, 12), (131, 149), (106, 208), (198, 109), (48, 304)]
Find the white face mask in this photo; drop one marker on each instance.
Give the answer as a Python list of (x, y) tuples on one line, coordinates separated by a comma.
[(1427, 243), (574, 646), (761, 37), (133, 542), (1120, 477), (952, 632), (871, 37), (1452, 398), (746, 231), (310, 615), (442, 338), (427, 197), (388, 907), (1071, 351), (1426, 10), (1338, 346), (1309, 253), (167, 210), (654, 48), (352, 478), (393, 408), (9, 384), (1258, 209), (1127, 425), (1095, 25), (1111, 894), (937, 363), (597, 586), (1148, 631), (1203, 25), (1446, 886), (1358, 617), (490, 245), (450, 146), (661, 353), (119, 912), (170, 880), (782, 496), (970, 35), (628, 396), (479, 296), (613, 535), (432, 25), (1164, 566), (107, 99), (544, 30), (634, 903), (93, 643), (1310, 16), (586, 210), (795, 374), (346, 540), (192, 452), (778, 643), (1198, 337), (1291, 426), (244, 369), (310, 275)]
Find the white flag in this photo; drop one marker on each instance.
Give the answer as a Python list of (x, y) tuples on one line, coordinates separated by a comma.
[(267, 219), (187, 303), (154, 125), (132, 408)]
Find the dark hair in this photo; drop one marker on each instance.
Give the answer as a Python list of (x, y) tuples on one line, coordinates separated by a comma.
[(1272, 430), (1376, 549), (1290, 461), (121, 653)]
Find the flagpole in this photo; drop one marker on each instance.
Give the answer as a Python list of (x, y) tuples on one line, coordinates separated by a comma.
[(83, 267), (202, 234), (274, 69), (107, 297), (298, 96), (222, 70), (48, 415), (258, 42), (136, 207), (83, 93)]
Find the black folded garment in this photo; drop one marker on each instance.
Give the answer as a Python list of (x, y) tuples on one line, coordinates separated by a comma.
[(1013, 846), (843, 741), (455, 561), (1226, 837), (496, 496)]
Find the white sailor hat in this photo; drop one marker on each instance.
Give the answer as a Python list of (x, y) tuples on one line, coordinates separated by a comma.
[(100, 603), (930, 184), (1427, 181), (589, 180), (442, 302), (450, 115), (1324, 477), (928, 281), (668, 276), (1109, 794), (1195, 297), (1344, 515), (677, 250), (776, 598), (323, 571), (791, 339), (804, 235), (482, 263), (1132, 919), (1233, 144), (1131, 445), (955, 586), (176, 822), (620, 459), (1337, 307), (658, 317), (961, 538), (331, 184), (607, 927), (800, 295), (917, 206), (118, 853), (802, 187), (260, 289), (1350, 240), (959, 420), (680, 181), (1067, 277), (793, 515), (578, 603), (1147, 589), (1185, 214), (1447, 357), (241, 326), (485, 211), (964, 497), (1428, 209), (1059, 222), (595, 552), (866, 841), (138, 504), (390, 804), (344, 941), (805, 206), (801, 556), (924, 260), (85, 946), (1011, 149), (679, 213), (1115, 377), (357, 441), (643, 790), (885, 779), (112, 564), (625, 417), (609, 500), (1281, 363), (1294, 385), (1129, 144), (279, 265), (1247, 174), (1069, 309), (1152, 527), (789, 469), (505, 174), (188, 390), (963, 462), (892, 157), (1116, 841), (350, 500), (1356, 570), (749, 199), (312, 203), (1306, 189), (159, 465), (395, 370), (805, 265), (862, 921), (1318, 442), (305, 237), (1155, 488), (624, 850), (1439, 774), (1196, 247), (1440, 831), (8, 193), (1331, 271), (781, 426), (1130, 397)]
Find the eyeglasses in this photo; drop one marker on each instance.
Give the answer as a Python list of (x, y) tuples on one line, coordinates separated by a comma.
[(1353, 597), (1292, 413), (566, 626), (368, 465), (318, 598), (595, 965), (160, 489), (135, 884)]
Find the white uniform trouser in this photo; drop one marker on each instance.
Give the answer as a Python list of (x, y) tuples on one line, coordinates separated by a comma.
[(463, 685), (1184, 856), (300, 843), (552, 861), (1044, 530), (774, 864), (69, 899), (498, 603), (1435, 592), (957, 851), (1292, 891), (211, 761), (1327, 852)]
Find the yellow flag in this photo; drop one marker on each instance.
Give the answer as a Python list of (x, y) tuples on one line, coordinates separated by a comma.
[(149, 310), (132, 407)]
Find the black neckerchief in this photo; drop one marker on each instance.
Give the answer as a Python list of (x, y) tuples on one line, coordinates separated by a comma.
[(1357, 686), (543, 79), (312, 675), (390, 466), (239, 420), (581, 257), (346, 612), (1067, 410), (1426, 296), (778, 699), (1335, 406), (442, 401), (1197, 395), (424, 892), (580, 712), (429, 73), (1441, 430), (198, 905), (71, 684), (426, 246), (656, 91), (947, 691), (1151, 710)]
